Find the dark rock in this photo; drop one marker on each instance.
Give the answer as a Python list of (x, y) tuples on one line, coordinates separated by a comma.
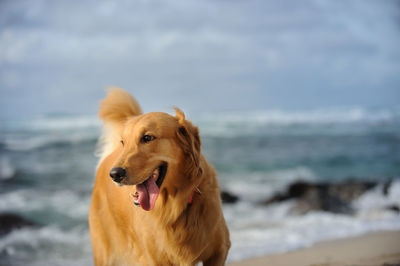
[(386, 187), (350, 190), (329, 197), (11, 221), (275, 199), (393, 208), (320, 200), (228, 197), (295, 190), (299, 188)]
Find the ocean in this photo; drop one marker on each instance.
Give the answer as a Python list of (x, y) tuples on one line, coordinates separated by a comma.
[(47, 168)]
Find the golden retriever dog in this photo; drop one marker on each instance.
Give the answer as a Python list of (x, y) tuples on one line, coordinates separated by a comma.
[(156, 199)]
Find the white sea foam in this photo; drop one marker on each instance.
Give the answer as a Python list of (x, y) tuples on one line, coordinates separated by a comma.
[(263, 184), (51, 123), (62, 201), (320, 116), (7, 170), (31, 142), (256, 238), (374, 203), (45, 131), (50, 243), (250, 123), (259, 230)]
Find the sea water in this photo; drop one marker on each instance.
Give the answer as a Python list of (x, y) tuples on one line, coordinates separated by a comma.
[(47, 168)]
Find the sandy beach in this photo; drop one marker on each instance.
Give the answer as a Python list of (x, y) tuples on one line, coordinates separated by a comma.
[(380, 248)]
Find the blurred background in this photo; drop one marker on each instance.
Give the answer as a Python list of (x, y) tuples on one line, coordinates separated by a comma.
[(298, 105)]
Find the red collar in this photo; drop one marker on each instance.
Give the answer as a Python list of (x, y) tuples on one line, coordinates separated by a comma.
[(190, 201), (191, 198)]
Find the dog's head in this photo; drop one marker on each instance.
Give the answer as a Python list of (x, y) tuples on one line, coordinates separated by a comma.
[(156, 151)]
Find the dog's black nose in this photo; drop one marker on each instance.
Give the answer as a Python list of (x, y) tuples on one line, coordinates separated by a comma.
[(117, 174)]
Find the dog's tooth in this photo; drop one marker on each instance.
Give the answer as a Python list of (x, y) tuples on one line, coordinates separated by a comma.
[(134, 199), (136, 202), (155, 173)]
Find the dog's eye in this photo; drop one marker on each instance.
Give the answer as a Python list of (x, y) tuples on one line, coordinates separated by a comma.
[(122, 142), (147, 138)]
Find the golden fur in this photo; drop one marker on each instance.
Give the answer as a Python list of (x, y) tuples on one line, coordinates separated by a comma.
[(173, 232)]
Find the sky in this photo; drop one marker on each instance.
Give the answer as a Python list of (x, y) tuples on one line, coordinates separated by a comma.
[(202, 56)]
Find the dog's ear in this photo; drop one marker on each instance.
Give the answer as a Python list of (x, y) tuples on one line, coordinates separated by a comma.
[(115, 109), (189, 138), (118, 106)]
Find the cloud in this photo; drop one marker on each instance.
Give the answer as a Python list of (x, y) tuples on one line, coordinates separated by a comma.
[(230, 54)]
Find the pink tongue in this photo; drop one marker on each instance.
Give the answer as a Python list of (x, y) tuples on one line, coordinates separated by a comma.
[(148, 193)]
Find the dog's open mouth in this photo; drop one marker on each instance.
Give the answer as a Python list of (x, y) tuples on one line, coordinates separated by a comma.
[(147, 192)]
